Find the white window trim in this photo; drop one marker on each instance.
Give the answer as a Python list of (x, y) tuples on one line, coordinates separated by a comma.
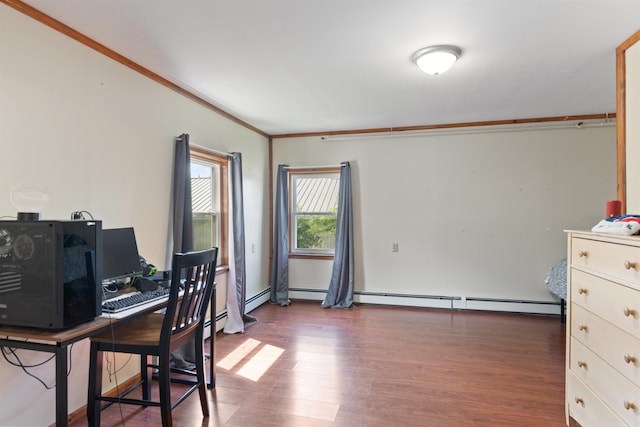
[(313, 173)]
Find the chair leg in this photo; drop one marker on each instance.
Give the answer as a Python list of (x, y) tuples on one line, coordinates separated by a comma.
[(94, 389), (201, 377), (164, 384)]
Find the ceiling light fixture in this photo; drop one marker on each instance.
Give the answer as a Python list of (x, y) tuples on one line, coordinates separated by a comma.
[(436, 60)]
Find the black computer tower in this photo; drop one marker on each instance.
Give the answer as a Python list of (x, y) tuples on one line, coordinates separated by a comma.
[(50, 273)]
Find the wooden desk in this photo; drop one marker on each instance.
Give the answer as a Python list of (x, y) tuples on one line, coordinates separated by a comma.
[(56, 342)]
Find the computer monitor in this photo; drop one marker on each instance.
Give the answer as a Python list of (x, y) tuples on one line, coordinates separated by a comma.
[(120, 258)]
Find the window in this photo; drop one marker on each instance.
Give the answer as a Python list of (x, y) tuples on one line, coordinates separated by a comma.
[(313, 199), (209, 201)]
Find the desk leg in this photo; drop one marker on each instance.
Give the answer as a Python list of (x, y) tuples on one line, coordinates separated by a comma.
[(61, 387)]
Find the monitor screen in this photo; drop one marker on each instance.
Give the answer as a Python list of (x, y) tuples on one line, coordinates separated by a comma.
[(120, 258)]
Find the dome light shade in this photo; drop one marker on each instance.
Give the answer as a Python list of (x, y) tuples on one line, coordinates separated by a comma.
[(29, 199), (436, 60)]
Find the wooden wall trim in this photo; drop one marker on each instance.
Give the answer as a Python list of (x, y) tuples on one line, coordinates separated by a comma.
[(81, 413), (629, 42), (89, 42), (621, 132)]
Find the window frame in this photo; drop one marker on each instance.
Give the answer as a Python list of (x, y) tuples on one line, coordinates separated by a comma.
[(202, 155), (305, 253)]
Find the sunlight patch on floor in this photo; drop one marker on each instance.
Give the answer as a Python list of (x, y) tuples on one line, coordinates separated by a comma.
[(260, 363), (238, 354)]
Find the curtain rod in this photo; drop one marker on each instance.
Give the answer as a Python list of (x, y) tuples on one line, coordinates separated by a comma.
[(510, 127), (211, 150), (314, 167)]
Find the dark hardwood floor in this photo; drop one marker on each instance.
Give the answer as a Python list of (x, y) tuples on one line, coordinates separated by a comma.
[(379, 366)]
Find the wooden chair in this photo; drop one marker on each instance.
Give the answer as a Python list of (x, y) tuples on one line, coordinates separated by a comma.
[(192, 284)]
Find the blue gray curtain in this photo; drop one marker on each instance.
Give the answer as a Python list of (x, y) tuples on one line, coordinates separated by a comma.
[(340, 293), (237, 319), (182, 227), (280, 260), (182, 210)]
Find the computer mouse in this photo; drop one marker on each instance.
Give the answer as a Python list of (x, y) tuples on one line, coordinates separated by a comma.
[(145, 285)]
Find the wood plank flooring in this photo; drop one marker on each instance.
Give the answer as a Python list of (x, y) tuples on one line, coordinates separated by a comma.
[(379, 366)]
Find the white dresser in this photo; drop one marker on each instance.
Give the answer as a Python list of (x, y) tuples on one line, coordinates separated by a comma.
[(603, 330)]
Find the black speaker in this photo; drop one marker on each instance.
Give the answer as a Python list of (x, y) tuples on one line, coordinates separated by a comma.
[(50, 273)]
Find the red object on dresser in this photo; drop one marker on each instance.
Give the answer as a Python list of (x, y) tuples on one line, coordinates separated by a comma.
[(614, 208)]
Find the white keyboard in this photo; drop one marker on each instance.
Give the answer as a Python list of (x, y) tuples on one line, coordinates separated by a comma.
[(127, 304)]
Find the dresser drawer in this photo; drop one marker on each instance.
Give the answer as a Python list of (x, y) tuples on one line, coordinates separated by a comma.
[(620, 394), (615, 303), (586, 408), (612, 261), (618, 348)]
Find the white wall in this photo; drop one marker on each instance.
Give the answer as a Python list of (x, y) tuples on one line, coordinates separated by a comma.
[(100, 137), (478, 213), (632, 110)]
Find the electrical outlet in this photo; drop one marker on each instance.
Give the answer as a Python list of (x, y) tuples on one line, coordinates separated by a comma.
[(253, 248), (394, 247)]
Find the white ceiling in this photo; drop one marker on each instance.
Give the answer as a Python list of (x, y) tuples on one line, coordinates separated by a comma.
[(295, 66)]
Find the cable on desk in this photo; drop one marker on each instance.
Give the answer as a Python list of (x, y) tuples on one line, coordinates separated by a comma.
[(6, 351), (79, 215), (111, 364), (112, 370)]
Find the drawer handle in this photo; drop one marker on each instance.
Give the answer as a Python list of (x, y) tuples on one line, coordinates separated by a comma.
[(579, 401), (583, 328), (630, 359), (630, 265), (583, 291), (582, 364), (583, 254), (629, 312), (629, 405)]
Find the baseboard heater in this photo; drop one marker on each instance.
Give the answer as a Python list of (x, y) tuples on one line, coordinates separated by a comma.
[(513, 306), (438, 301), (415, 300), (250, 304), (258, 296)]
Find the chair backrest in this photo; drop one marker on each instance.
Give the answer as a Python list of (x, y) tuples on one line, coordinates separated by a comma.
[(192, 283)]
